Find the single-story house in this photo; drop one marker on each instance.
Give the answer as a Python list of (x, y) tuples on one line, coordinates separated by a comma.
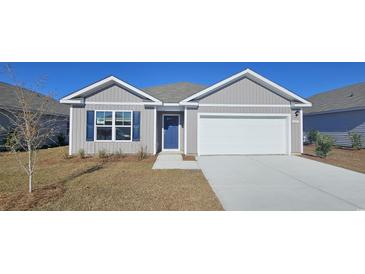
[(10, 105), (243, 114), (338, 112)]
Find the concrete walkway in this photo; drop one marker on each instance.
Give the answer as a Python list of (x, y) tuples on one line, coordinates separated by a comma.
[(173, 161), (282, 183)]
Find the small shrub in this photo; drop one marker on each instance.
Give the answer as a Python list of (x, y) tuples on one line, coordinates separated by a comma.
[(142, 153), (61, 139), (119, 154), (102, 154), (65, 154), (10, 141), (356, 141), (81, 153), (324, 145), (313, 136)]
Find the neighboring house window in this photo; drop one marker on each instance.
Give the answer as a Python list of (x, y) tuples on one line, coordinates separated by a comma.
[(123, 125), (104, 125)]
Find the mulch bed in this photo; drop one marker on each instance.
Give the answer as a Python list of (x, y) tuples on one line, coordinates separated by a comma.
[(188, 157), (343, 157)]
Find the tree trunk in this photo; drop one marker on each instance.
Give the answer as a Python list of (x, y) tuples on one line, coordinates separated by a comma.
[(30, 183), (30, 172)]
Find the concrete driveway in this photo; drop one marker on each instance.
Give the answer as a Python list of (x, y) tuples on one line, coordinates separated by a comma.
[(282, 183)]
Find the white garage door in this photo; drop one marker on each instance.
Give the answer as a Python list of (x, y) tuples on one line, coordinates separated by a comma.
[(232, 134)]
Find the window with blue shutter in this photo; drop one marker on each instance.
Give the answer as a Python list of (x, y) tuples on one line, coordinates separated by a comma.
[(90, 125), (136, 125)]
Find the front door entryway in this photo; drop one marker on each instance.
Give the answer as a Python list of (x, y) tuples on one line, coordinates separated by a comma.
[(170, 132)]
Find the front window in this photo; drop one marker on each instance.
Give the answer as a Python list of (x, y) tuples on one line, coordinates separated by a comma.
[(107, 125), (104, 125), (123, 125)]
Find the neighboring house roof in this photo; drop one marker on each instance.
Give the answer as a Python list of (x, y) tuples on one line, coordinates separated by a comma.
[(254, 77), (174, 93), (9, 100), (340, 99)]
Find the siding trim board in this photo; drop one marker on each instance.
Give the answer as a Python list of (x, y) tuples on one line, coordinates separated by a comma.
[(301, 131), (185, 130), (243, 105), (123, 103), (154, 131), (70, 133)]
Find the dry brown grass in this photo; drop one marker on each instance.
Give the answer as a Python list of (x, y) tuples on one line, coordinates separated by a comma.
[(99, 184), (342, 157)]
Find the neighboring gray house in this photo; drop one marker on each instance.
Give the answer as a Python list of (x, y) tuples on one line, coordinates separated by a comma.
[(243, 114), (337, 112), (10, 103)]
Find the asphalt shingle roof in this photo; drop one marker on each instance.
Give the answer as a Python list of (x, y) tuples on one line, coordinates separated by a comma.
[(348, 97), (174, 93), (9, 100)]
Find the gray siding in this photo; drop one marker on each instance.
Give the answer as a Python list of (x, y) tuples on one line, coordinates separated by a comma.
[(244, 91), (159, 129), (113, 93), (338, 125), (79, 131), (191, 131)]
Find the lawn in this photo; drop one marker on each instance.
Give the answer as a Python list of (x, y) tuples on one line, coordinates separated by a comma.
[(99, 184), (342, 157)]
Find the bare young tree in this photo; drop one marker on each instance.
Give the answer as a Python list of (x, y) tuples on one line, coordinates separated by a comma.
[(31, 125)]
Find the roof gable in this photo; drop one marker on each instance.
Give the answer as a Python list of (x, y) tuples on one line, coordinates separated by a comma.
[(256, 78), (244, 91), (109, 81), (114, 93)]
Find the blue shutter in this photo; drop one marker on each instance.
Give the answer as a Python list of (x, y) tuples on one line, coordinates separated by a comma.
[(90, 125), (136, 125)]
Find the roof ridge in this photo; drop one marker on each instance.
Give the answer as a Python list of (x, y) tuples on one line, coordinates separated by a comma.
[(174, 83)]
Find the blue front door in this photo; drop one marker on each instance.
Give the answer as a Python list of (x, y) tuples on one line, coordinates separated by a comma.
[(171, 132)]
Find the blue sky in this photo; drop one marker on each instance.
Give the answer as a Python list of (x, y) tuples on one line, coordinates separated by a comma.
[(304, 79)]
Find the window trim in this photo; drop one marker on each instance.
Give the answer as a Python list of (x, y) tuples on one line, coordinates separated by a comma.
[(113, 126), (130, 126)]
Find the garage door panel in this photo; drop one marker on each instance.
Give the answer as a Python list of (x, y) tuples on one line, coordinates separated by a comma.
[(242, 135)]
